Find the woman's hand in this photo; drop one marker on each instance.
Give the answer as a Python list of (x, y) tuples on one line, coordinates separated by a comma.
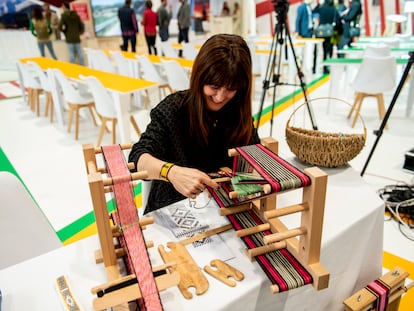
[(189, 182)]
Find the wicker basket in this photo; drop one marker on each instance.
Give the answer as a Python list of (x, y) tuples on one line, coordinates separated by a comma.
[(322, 148)]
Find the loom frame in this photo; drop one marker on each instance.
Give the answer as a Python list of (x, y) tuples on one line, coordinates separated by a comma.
[(306, 248), (110, 254)]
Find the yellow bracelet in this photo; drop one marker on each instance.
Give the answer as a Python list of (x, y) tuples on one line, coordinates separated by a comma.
[(164, 171)]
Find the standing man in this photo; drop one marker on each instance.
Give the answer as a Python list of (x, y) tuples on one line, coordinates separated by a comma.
[(164, 17), (184, 21), (349, 17), (72, 27), (304, 21), (129, 26)]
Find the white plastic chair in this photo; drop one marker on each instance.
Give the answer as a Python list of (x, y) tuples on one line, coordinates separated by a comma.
[(189, 51), (47, 89), (101, 61), (378, 50), (168, 50), (104, 106), (32, 85), (176, 76), (375, 76), (24, 230), (150, 73), (122, 64), (75, 100)]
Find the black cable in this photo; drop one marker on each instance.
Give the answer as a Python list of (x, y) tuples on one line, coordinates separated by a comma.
[(399, 202)]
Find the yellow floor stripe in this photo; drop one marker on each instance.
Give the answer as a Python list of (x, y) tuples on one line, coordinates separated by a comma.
[(389, 262)]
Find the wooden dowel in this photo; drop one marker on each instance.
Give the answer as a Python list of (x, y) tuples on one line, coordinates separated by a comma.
[(260, 250), (286, 210), (205, 234), (235, 209), (280, 236), (252, 230), (232, 152), (134, 176), (123, 147), (221, 179)]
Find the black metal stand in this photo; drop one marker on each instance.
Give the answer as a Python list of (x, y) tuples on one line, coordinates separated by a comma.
[(379, 132), (281, 32)]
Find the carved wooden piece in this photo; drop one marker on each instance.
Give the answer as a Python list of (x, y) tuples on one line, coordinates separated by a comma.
[(190, 274), (223, 272)]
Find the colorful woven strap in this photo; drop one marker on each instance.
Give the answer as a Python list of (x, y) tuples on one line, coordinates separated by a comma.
[(127, 217), (380, 290)]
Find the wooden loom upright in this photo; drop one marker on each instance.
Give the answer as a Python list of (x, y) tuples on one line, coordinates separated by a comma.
[(120, 288), (304, 242)]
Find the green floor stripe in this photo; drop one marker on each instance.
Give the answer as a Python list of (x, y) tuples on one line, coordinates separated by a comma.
[(75, 227), (5, 165)]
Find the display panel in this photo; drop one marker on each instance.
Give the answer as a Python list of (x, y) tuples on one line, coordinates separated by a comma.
[(105, 16)]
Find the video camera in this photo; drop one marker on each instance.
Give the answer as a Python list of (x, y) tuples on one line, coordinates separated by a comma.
[(281, 8)]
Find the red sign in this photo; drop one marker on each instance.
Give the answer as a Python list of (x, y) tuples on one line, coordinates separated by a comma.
[(82, 10)]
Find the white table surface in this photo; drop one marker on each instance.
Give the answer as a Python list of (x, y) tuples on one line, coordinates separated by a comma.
[(351, 251)]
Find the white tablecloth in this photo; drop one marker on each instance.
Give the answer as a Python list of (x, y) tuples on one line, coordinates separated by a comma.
[(351, 251)]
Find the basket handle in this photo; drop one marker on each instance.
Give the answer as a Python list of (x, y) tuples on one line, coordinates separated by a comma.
[(328, 98)]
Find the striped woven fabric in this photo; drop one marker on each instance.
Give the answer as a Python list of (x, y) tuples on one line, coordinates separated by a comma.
[(128, 219), (278, 173), (379, 290), (280, 266)]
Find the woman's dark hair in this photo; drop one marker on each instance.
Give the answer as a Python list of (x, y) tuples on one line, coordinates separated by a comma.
[(37, 12), (148, 4), (223, 61)]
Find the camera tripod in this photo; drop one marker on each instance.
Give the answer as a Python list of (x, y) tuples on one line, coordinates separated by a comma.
[(379, 132), (272, 79)]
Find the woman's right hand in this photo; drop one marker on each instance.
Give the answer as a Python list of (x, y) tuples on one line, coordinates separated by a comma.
[(190, 182)]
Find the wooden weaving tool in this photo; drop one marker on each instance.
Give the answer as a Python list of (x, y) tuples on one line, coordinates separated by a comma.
[(124, 226), (383, 294), (255, 217)]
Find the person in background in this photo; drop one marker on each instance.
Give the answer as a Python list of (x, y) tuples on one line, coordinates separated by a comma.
[(348, 17), (129, 26), (72, 27), (191, 131), (53, 20), (338, 31), (184, 21), (327, 15), (304, 21), (164, 16), (40, 28), (149, 22), (237, 19), (225, 11)]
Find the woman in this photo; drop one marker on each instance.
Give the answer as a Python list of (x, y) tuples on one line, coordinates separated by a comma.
[(191, 131), (40, 28), (149, 21)]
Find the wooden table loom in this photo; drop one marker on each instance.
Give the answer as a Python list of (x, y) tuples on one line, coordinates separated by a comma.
[(267, 238), (121, 237), (383, 294)]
